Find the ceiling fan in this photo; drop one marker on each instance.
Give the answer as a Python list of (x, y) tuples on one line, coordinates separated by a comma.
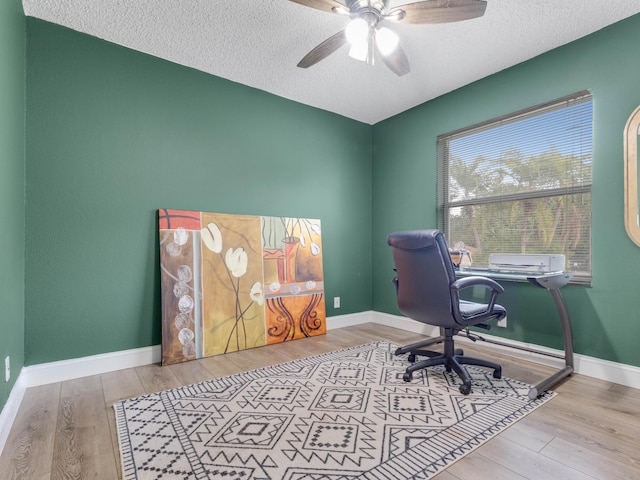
[(366, 36)]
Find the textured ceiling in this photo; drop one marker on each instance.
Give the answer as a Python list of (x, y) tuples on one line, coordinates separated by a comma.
[(259, 42)]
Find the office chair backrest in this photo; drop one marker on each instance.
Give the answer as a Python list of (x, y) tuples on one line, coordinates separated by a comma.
[(424, 273)]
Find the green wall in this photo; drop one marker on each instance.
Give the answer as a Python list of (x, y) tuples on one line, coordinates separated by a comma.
[(606, 316), (12, 147), (113, 135)]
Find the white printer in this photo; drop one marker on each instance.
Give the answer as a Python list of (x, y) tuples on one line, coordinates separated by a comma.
[(526, 263)]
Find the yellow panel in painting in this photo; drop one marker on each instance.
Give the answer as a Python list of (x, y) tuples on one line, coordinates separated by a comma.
[(294, 317), (233, 310), (309, 264), (273, 261)]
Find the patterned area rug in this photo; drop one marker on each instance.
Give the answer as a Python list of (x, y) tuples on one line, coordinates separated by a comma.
[(337, 416)]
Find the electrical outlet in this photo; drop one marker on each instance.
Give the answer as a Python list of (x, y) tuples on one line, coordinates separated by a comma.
[(336, 302), (7, 369), (502, 323)]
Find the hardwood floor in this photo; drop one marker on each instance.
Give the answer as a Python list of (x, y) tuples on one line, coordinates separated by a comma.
[(591, 430)]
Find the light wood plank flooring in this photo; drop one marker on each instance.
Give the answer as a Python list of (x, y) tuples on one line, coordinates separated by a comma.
[(591, 430)]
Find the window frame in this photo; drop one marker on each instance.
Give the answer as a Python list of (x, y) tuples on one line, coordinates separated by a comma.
[(443, 203)]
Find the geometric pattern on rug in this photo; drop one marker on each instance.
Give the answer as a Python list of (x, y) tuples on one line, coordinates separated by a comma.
[(341, 415)]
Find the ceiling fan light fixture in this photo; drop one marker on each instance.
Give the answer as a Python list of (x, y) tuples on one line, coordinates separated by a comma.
[(386, 40), (358, 34), (359, 51), (357, 31)]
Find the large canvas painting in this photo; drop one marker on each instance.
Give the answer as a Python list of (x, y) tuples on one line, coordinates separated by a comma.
[(232, 282)]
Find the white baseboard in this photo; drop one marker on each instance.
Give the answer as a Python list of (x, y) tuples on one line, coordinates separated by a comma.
[(404, 323), (606, 370), (63, 370), (108, 362), (97, 364), (10, 410), (349, 320)]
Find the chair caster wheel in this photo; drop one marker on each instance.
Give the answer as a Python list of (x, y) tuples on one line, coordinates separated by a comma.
[(497, 373), (407, 377), (411, 358), (465, 389)]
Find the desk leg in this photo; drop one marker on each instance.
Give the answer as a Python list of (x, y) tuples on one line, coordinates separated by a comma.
[(566, 325), (568, 347), (547, 383)]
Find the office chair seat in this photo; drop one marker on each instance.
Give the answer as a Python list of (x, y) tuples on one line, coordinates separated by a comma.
[(428, 292), (471, 310)]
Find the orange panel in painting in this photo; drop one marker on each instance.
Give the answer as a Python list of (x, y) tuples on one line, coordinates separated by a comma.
[(172, 219), (294, 317)]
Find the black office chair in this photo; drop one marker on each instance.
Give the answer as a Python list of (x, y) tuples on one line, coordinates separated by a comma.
[(429, 292)]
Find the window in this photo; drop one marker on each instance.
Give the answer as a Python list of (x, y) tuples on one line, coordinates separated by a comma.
[(521, 184)]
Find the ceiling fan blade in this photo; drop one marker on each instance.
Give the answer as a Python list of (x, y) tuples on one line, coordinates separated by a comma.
[(439, 11), (397, 61), (324, 5), (323, 50)]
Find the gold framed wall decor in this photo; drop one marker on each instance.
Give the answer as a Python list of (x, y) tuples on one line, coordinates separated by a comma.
[(631, 132)]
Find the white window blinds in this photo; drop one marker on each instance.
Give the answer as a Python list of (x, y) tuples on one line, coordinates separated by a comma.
[(521, 184)]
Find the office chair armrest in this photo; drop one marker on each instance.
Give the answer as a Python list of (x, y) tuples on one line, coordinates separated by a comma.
[(466, 282)]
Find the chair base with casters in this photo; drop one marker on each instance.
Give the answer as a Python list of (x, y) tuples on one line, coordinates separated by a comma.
[(452, 358)]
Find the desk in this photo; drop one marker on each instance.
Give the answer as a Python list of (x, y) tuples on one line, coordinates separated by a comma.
[(552, 282)]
